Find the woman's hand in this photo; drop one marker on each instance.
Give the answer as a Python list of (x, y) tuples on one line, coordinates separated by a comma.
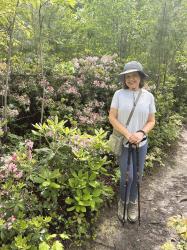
[(136, 138)]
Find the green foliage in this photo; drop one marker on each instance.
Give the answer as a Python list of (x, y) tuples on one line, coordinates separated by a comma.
[(179, 224), (62, 181)]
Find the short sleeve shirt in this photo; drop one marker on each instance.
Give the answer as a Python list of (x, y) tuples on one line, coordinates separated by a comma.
[(123, 100)]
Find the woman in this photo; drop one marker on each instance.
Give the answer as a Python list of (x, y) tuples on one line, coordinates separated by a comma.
[(141, 122)]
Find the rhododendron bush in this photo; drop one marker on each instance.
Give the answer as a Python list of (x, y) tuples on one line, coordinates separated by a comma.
[(79, 90), (53, 191)]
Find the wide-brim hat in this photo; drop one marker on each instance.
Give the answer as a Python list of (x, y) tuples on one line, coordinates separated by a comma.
[(130, 67)]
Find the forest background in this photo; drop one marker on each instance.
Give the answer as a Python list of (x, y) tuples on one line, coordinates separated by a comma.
[(59, 66)]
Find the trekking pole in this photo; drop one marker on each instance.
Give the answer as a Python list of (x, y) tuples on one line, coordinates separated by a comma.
[(138, 180), (126, 181)]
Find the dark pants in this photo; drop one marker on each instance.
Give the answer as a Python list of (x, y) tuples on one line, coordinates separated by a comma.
[(132, 191)]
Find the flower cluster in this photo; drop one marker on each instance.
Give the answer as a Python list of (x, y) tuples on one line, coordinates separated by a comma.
[(100, 84), (10, 167), (49, 90), (68, 88), (80, 142), (91, 83), (107, 59), (44, 83), (10, 222), (96, 104), (75, 62), (23, 99), (87, 116), (11, 112)]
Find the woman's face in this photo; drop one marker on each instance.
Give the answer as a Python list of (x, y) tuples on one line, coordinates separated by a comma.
[(132, 80)]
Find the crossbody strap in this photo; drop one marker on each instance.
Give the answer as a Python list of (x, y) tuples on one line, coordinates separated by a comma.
[(132, 111)]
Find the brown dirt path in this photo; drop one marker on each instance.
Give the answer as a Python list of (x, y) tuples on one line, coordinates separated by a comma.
[(163, 195)]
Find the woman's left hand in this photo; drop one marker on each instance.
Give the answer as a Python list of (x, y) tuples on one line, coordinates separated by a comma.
[(136, 138)]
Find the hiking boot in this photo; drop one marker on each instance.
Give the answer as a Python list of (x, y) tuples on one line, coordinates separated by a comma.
[(132, 212), (121, 210)]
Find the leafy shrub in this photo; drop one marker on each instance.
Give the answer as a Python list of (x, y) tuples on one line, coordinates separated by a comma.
[(56, 187)]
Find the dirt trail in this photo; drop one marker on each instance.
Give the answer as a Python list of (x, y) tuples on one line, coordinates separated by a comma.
[(162, 196)]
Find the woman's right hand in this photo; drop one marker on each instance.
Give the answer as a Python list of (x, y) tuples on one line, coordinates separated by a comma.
[(135, 138)]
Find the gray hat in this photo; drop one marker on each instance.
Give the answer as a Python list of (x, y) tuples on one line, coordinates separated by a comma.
[(130, 67)]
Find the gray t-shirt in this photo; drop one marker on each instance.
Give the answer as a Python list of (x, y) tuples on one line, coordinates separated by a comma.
[(123, 100)]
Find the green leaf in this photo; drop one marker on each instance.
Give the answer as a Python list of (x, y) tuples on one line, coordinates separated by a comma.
[(37, 126), (54, 185), (36, 133), (57, 246), (70, 209), (51, 236), (74, 174), (79, 192), (2, 222), (72, 2), (94, 184), (21, 243), (83, 209), (46, 183), (92, 203), (92, 176), (81, 203), (86, 197), (55, 174), (71, 183), (97, 192), (64, 236), (68, 200), (36, 179), (44, 246)]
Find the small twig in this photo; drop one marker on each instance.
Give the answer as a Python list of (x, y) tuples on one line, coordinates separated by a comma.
[(183, 199)]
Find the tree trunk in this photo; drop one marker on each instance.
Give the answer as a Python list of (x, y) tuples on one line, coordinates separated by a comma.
[(9, 55)]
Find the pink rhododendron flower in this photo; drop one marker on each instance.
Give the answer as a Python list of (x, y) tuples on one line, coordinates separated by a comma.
[(76, 63), (106, 59), (8, 160), (50, 89), (29, 144), (72, 90), (44, 83), (80, 82), (10, 221), (12, 218), (49, 133), (12, 167), (83, 119), (96, 103), (4, 192), (2, 176), (14, 157), (92, 59), (23, 99), (18, 175)]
